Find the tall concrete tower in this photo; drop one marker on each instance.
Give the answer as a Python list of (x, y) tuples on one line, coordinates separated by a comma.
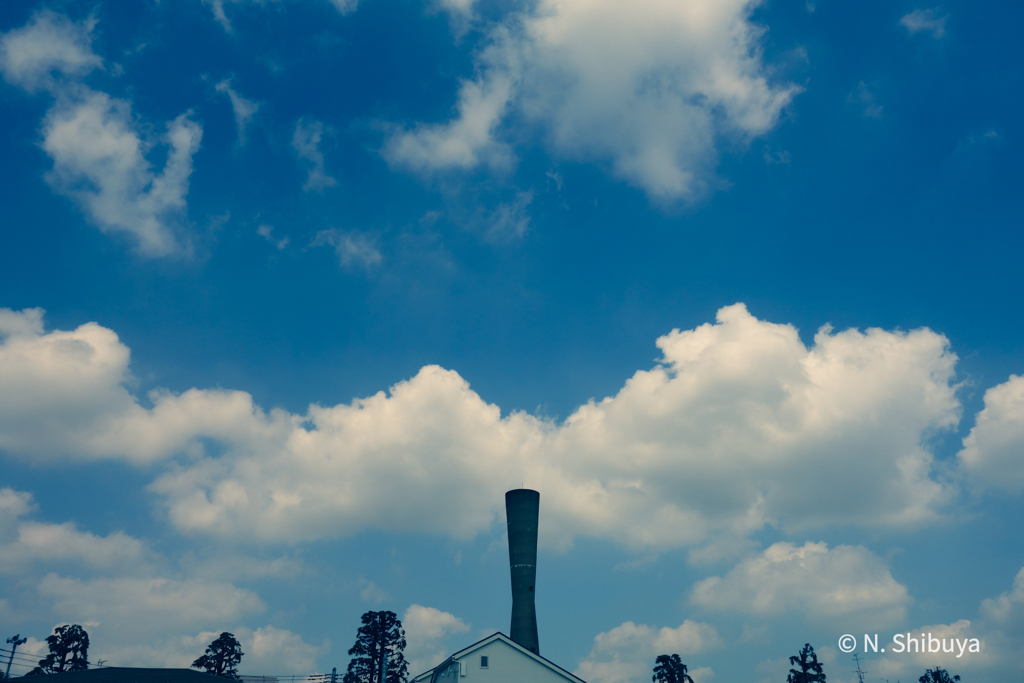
[(522, 508)]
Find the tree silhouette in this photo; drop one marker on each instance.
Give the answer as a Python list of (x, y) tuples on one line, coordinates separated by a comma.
[(937, 675), (222, 657), (670, 669), (380, 634), (69, 651), (810, 670)]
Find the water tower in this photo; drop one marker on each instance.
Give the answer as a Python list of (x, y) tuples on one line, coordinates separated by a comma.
[(522, 509)]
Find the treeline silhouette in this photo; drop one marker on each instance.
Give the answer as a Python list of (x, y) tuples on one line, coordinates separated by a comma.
[(376, 657), (806, 669)]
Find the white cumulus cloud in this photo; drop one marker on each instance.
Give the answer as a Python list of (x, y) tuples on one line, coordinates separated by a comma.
[(130, 607), (13, 504), (134, 615), (740, 425), (63, 393), (993, 453), (40, 542), (821, 583), (627, 652), (647, 89), (268, 650), (426, 633), (1007, 609), (275, 650), (996, 635)]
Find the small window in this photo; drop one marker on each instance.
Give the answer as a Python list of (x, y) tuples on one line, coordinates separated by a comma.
[(483, 661)]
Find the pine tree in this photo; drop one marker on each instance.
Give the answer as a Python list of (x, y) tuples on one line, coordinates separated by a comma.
[(380, 633), (222, 657), (810, 669)]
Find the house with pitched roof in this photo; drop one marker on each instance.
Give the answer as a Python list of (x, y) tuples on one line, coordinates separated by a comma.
[(496, 659), (509, 659)]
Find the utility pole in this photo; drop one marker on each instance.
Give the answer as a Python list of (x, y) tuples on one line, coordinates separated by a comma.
[(384, 668), (14, 641), (860, 673)]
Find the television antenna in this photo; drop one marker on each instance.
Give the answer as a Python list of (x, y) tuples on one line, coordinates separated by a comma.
[(860, 672)]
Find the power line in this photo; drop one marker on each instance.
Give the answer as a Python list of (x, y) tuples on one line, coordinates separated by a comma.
[(17, 663), (18, 658)]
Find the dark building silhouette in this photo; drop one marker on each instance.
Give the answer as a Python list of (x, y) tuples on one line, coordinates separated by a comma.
[(121, 674), (522, 509)]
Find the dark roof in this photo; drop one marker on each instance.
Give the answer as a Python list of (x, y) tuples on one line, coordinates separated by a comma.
[(121, 674)]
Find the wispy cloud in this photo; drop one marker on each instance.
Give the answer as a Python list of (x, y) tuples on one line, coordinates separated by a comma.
[(866, 100), (306, 142), (217, 7), (243, 108), (927, 20), (48, 47), (99, 162), (354, 248), (371, 592), (98, 150), (267, 232)]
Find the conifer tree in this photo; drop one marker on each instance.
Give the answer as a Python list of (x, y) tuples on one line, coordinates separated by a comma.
[(380, 634), (222, 657), (810, 669), (937, 675)]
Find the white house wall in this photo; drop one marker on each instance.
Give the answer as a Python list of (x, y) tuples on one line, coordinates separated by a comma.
[(505, 664)]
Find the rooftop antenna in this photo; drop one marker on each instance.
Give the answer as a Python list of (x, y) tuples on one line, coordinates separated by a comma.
[(860, 672)]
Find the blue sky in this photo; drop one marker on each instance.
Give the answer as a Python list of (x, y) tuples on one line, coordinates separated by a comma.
[(292, 291)]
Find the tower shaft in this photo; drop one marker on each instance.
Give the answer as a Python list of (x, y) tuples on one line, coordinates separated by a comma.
[(522, 509)]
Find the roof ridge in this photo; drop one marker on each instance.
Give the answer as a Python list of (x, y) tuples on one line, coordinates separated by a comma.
[(504, 638)]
